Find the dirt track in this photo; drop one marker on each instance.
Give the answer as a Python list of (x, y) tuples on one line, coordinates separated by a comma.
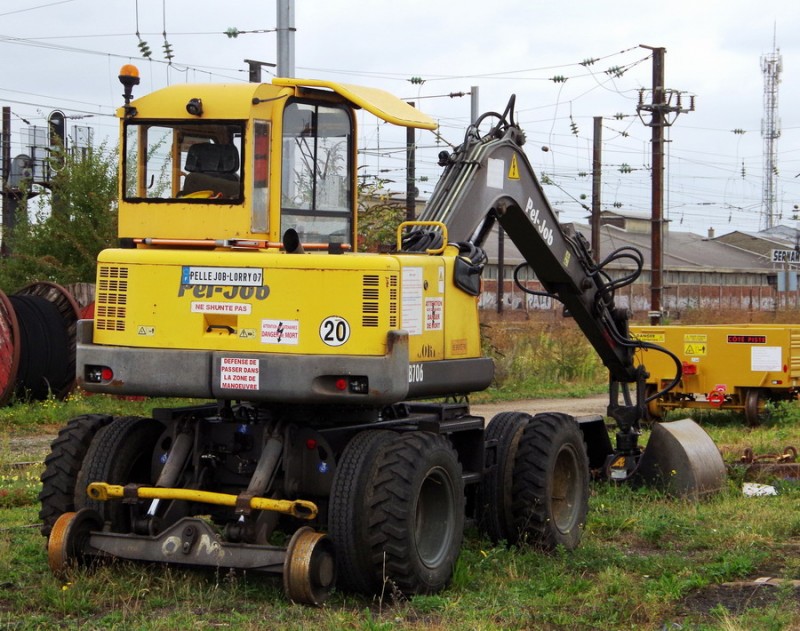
[(576, 407)]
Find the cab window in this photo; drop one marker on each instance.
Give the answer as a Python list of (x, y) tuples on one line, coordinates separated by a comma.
[(197, 162), (316, 187)]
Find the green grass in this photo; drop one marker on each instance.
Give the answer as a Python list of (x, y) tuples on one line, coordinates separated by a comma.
[(647, 561)]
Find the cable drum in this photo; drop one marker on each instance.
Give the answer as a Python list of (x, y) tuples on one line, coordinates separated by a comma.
[(44, 346), (9, 348)]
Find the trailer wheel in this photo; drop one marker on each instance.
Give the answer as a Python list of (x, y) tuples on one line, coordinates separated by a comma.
[(551, 483), (121, 453), (754, 406), (654, 409), (347, 510), (62, 466), (416, 513), (503, 434)]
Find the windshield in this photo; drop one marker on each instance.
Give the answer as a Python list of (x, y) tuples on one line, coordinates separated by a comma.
[(183, 161), (316, 190)]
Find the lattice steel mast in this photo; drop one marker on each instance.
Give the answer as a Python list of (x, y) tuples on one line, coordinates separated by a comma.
[(771, 67)]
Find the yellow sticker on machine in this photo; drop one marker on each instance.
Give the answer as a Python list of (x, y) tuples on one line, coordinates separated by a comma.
[(695, 337), (650, 337), (696, 348)]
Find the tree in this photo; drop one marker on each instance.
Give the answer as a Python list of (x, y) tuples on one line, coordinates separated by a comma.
[(74, 220), (378, 217)]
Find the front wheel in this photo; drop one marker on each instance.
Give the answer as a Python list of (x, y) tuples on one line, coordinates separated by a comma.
[(416, 512), (550, 492)]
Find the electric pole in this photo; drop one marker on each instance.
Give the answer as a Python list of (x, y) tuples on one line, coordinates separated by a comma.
[(9, 202), (664, 103), (286, 32), (597, 148), (411, 172)]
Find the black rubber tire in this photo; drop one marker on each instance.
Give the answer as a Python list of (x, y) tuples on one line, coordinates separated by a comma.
[(415, 513), (347, 513), (121, 453), (62, 466), (551, 483), (496, 516)]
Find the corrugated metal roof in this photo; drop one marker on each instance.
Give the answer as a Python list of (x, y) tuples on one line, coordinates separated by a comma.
[(683, 251)]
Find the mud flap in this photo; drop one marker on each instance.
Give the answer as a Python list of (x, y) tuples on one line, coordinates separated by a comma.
[(681, 458)]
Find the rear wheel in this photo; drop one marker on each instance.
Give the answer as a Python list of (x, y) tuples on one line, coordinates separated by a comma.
[(121, 453), (62, 465), (551, 483), (416, 513), (502, 438)]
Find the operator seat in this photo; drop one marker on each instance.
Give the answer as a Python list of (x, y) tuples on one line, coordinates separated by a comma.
[(211, 167)]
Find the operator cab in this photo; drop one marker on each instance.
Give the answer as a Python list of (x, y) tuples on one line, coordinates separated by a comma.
[(242, 164)]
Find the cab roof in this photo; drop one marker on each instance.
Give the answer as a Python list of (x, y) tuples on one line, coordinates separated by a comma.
[(382, 104), (235, 100)]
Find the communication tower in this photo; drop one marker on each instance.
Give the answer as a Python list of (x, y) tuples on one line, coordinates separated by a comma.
[(771, 67)]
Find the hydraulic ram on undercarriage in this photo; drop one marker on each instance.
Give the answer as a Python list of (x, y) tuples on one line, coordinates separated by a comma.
[(102, 491)]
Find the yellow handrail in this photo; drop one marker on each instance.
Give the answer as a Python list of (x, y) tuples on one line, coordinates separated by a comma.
[(437, 224)]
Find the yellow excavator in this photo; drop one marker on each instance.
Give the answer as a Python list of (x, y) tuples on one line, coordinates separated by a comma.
[(334, 443)]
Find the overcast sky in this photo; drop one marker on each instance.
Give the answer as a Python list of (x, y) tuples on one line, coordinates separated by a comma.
[(66, 54)]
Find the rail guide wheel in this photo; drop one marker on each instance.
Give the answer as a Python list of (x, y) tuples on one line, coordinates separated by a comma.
[(309, 571), (69, 538)]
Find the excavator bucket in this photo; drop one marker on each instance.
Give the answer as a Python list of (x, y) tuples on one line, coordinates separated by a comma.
[(681, 458)]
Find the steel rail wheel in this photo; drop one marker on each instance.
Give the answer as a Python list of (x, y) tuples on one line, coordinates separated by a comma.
[(551, 483), (502, 439), (309, 570), (755, 410), (654, 410), (69, 537)]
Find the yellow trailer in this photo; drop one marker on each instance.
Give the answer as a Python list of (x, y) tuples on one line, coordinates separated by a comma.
[(737, 367)]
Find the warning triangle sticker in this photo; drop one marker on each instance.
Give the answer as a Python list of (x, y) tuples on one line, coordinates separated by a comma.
[(513, 170)]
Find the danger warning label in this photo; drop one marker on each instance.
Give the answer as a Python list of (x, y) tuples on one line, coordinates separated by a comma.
[(239, 373), (513, 170), (280, 331), (433, 314)]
